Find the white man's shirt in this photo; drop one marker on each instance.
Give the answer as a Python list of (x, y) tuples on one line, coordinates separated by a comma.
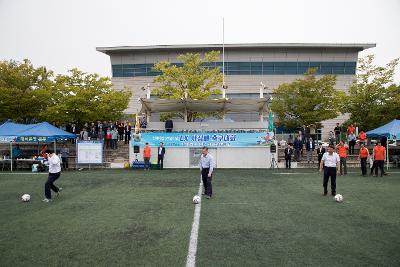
[(330, 160), (54, 164), (207, 162)]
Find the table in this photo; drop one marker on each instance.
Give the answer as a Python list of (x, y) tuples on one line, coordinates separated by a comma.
[(28, 161), (5, 162)]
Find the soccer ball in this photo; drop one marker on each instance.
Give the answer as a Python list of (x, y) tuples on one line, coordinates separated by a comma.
[(338, 198), (196, 199), (25, 198)]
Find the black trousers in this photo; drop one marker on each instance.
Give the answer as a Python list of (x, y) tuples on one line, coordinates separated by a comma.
[(206, 181), (351, 147), (64, 163), (364, 166), (330, 172), (374, 167), (50, 184), (297, 155), (379, 164), (127, 137), (160, 162), (288, 163)]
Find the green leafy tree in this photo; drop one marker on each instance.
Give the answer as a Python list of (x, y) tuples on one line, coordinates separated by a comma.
[(306, 101), (80, 97), (195, 79), (24, 90), (373, 100)]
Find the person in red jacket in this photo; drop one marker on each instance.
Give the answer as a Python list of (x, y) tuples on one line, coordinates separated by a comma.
[(342, 151), (362, 136), (379, 154), (363, 156), (146, 157)]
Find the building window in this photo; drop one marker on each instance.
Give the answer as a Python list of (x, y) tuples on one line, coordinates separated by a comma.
[(247, 68)]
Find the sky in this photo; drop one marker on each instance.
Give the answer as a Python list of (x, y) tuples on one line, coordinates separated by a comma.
[(62, 34)]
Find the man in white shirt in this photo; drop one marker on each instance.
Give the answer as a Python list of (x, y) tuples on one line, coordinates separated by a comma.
[(206, 167), (330, 165), (54, 174)]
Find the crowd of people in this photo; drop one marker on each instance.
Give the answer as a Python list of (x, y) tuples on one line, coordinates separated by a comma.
[(344, 148), (109, 132)]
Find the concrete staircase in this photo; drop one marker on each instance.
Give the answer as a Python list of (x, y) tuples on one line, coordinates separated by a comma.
[(116, 158)]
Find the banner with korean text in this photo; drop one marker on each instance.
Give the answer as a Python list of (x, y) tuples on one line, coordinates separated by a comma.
[(209, 139)]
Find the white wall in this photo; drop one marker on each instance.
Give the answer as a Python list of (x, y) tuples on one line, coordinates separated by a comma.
[(225, 157), (246, 157)]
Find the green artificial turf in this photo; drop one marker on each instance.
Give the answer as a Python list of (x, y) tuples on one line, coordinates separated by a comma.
[(255, 218), (262, 218)]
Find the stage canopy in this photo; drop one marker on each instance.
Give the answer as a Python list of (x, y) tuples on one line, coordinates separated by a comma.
[(259, 105), (391, 130)]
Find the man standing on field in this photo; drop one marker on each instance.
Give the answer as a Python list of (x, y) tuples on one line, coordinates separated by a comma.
[(330, 166), (206, 167), (54, 174)]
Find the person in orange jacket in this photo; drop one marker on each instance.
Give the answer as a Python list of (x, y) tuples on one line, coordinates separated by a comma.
[(146, 156), (379, 157), (362, 136), (342, 151), (363, 156), (351, 129)]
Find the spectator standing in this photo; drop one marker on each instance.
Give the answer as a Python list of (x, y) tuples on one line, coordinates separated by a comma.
[(380, 154), (169, 125), (298, 145), (108, 138), (362, 136), (121, 127), (114, 139), (64, 156), (288, 156), (351, 129), (128, 130), (290, 140), (161, 154), (310, 146), (338, 132), (342, 151), (363, 156), (351, 139), (146, 156)]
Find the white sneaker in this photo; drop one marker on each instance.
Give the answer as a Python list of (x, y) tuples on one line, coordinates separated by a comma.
[(46, 200)]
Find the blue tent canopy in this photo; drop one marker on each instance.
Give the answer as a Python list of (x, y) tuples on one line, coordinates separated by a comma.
[(43, 132), (10, 130), (40, 132), (391, 130)]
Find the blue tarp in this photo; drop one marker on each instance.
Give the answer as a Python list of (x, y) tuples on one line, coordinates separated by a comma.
[(390, 130), (10, 130), (39, 132)]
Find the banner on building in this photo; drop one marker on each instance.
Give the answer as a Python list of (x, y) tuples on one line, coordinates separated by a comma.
[(208, 139)]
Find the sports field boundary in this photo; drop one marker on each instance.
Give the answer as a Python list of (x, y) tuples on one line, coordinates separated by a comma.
[(191, 257)]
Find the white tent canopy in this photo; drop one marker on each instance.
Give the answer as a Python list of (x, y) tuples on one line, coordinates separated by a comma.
[(211, 105)]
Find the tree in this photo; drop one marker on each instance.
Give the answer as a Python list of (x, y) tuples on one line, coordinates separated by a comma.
[(24, 90), (373, 100), (195, 79), (306, 101), (80, 97), (29, 94)]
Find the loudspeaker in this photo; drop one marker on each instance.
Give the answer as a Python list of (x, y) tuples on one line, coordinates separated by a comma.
[(136, 149), (273, 148)]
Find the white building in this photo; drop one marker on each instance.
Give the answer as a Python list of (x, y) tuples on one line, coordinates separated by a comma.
[(246, 66)]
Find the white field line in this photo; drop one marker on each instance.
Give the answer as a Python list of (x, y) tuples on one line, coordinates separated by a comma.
[(191, 257)]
